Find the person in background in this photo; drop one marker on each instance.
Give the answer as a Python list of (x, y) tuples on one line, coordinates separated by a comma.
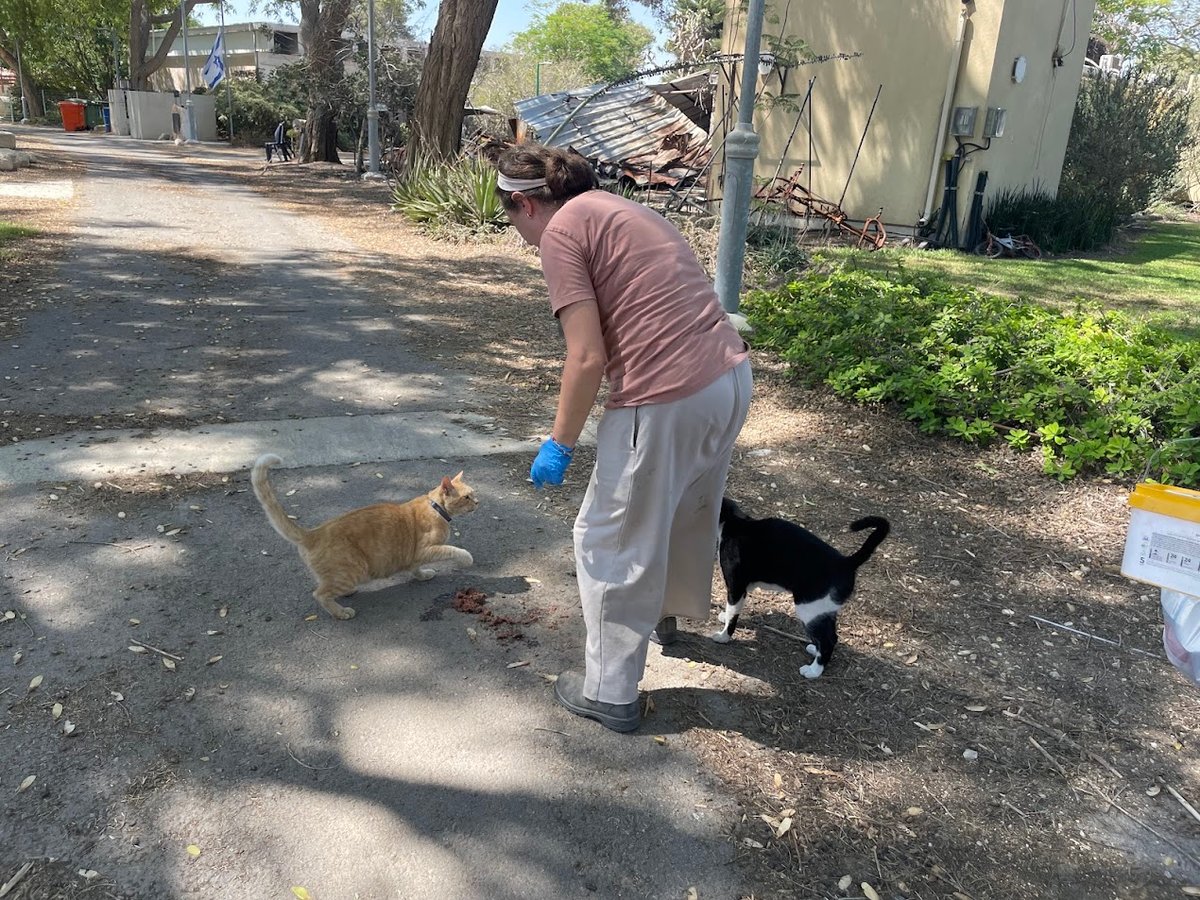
[(283, 143), (636, 309)]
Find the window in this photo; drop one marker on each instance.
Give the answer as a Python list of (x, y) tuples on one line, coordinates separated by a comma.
[(286, 43)]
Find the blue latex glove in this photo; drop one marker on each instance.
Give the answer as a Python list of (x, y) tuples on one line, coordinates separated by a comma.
[(551, 463)]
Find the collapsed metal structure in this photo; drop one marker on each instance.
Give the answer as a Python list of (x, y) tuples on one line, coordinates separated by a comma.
[(635, 133)]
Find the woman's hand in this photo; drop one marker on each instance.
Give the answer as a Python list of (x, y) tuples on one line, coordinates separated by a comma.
[(550, 464)]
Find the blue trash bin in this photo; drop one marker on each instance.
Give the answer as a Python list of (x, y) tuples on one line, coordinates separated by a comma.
[(106, 114)]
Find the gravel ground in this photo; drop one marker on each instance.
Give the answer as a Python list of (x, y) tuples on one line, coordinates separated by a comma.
[(957, 747)]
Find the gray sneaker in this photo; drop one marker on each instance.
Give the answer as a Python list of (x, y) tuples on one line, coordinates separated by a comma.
[(665, 632), (568, 691)]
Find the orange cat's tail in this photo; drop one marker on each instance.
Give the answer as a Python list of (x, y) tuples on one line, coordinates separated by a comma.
[(275, 513)]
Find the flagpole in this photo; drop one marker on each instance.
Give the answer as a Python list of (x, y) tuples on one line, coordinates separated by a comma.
[(225, 69)]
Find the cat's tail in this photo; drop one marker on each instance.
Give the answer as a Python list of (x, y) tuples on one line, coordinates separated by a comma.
[(275, 513), (881, 526)]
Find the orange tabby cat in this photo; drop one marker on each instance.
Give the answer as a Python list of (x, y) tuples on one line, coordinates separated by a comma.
[(372, 542)]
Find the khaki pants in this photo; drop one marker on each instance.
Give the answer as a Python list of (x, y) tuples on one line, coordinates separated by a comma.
[(646, 535)]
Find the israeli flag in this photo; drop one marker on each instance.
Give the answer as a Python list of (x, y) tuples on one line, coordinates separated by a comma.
[(214, 66)]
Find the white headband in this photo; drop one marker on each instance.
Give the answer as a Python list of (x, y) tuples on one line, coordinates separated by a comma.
[(517, 184)]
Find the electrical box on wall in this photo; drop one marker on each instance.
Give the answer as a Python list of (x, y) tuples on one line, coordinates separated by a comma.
[(993, 124), (962, 123)]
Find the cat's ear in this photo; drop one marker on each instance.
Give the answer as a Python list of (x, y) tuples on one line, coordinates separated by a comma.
[(447, 486), (458, 478)]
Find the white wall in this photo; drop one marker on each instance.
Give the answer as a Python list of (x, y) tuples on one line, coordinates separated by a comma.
[(150, 115)]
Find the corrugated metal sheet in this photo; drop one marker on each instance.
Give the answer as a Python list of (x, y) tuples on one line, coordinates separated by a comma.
[(629, 131)]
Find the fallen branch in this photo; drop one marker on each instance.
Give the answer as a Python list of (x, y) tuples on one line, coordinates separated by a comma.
[(1046, 753), (306, 765), (12, 882), (785, 634), (111, 544), (1004, 802), (1191, 809), (1062, 738), (1092, 637), (156, 650), (1166, 840)]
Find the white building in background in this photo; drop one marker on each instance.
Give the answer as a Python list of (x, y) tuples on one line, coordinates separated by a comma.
[(250, 47)]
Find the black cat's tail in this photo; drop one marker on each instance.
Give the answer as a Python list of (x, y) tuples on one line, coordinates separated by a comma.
[(881, 526)]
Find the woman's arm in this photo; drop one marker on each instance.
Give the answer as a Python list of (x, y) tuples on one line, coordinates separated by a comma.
[(583, 370)]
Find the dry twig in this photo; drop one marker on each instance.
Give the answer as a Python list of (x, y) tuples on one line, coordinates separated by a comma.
[(12, 882), (156, 650), (785, 634), (1062, 738), (1191, 809), (1054, 762), (306, 765), (1162, 837), (1092, 637)]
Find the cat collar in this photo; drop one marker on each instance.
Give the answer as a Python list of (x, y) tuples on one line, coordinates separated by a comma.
[(441, 510)]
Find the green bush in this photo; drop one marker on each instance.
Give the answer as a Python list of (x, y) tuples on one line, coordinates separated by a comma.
[(462, 192), (1077, 219), (258, 106), (1093, 390), (1127, 136)]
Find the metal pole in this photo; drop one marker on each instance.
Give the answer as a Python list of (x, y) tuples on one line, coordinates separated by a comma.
[(741, 149), (187, 77), (21, 80), (225, 69), (372, 107), (537, 79)]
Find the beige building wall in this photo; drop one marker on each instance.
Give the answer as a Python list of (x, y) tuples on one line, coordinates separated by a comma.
[(908, 48)]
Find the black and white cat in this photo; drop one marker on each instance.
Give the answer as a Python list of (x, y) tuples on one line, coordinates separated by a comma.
[(779, 555)]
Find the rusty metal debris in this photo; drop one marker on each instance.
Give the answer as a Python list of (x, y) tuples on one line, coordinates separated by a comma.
[(800, 201), (630, 133)]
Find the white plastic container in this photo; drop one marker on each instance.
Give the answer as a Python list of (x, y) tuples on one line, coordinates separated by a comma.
[(1181, 632), (1163, 549), (1163, 544)]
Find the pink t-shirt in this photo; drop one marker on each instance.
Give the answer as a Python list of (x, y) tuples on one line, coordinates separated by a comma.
[(665, 332)]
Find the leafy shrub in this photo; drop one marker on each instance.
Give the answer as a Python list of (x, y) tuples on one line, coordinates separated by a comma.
[(462, 192), (1093, 390), (773, 254), (258, 106), (1127, 136), (1077, 219)]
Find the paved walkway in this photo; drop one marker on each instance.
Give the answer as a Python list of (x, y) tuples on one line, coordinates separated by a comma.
[(411, 752)]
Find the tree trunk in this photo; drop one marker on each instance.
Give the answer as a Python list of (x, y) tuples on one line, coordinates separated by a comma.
[(321, 25), (33, 100), (140, 23), (453, 56)]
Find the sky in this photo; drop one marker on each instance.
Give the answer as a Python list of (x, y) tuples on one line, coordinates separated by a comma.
[(512, 16)]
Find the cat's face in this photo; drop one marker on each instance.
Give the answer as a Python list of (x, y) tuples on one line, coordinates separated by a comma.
[(460, 496)]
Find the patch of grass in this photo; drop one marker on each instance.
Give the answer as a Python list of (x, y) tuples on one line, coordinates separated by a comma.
[(10, 233), (1154, 275), (1093, 389)]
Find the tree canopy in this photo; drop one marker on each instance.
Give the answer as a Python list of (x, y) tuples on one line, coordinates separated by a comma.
[(607, 47), (1157, 32)]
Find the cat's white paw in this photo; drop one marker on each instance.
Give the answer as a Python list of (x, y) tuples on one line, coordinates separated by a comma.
[(423, 574), (812, 670), (813, 651), (344, 612), (721, 637), (465, 558)]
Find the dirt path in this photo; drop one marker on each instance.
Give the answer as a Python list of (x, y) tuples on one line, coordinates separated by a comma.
[(957, 747)]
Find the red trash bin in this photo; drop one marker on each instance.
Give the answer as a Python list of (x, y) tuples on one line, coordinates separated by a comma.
[(74, 115)]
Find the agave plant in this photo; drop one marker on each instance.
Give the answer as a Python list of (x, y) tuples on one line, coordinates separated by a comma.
[(461, 192)]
